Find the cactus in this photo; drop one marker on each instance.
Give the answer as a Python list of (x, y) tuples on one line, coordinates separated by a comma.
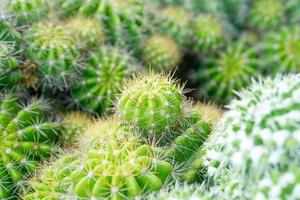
[(73, 125), (207, 33), (88, 32), (173, 22), (210, 112), (281, 51), (55, 53), (27, 11), (113, 170), (254, 152), (152, 103), (267, 14), (102, 79), (161, 53), (231, 71), (26, 139)]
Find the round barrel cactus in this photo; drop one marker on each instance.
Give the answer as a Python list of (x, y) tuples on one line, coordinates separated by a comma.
[(161, 53), (27, 11), (88, 32), (281, 51), (255, 150), (267, 14), (113, 170), (26, 139), (230, 71), (207, 33), (102, 79), (55, 53), (152, 103)]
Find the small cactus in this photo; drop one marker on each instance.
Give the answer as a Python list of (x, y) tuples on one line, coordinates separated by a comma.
[(113, 170), (88, 33), (161, 53), (152, 103), (267, 14), (281, 51), (231, 71), (26, 139), (207, 33), (254, 152), (27, 11), (55, 53), (102, 79)]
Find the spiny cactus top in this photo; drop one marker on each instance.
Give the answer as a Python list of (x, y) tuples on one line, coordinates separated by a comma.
[(26, 138), (27, 11), (87, 32), (267, 14), (281, 50), (231, 71), (161, 53), (114, 170), (106, 70), (207, 33), (55, 52), (255, 152), (152, 103)]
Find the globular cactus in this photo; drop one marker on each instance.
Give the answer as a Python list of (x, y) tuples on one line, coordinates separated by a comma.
[(231, 71), (161, 53), (281, 51), (152, 103), (73, 125), (267, 14), (102, 79), (113, 170), (55, 52), (26, 139), (27, 11), (88, 32), (209, 112), (254, 152), (207, 33), (174, 22)]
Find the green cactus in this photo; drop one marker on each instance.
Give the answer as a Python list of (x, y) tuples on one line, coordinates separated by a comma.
[(161, 53), (173, 22), (152, 103), (102, 79), (207, 33), (231, 71), (26, 139), (88, 33), (28, 11), (281, 51), (254, 152), (267, 14), (112, 170), (55, 53)]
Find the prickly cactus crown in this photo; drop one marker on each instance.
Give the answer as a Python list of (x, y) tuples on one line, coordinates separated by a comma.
[(55, 52), (281, 51), (26, 138), (258, 138), (152, 103), (161, 53), (114, 170), (102, 79), (230, 72)]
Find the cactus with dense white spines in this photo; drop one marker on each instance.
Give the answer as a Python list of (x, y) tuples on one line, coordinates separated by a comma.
[(116, 169), (161, 53), (102, 79), (152, 103), (255, 150), (26, 139), (56, 54), (281, 51)]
